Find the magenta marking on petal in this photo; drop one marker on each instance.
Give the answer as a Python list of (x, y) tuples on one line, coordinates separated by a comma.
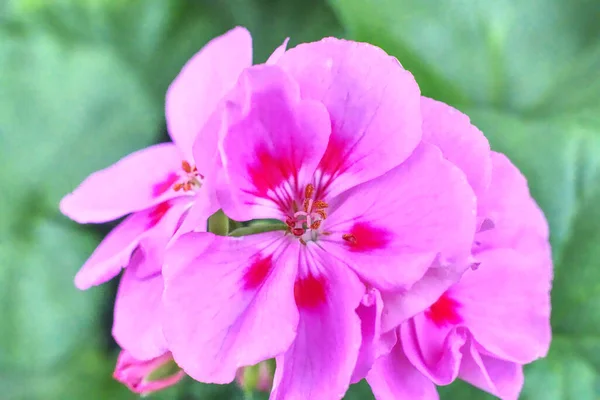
[(310, 292), (334, 160), (444, 311), (269, 171), (157, 213), (161, 187), (365, 237), (257, 272)]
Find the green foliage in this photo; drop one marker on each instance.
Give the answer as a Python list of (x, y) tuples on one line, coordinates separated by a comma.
[(83, 82)]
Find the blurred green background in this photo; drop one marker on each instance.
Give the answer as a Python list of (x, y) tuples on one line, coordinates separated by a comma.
[(82, 83)]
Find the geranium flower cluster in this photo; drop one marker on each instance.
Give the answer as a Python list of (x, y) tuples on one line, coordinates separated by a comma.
[(397, 246)]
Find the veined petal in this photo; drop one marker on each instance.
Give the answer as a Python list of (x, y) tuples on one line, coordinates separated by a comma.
[(273, 143), (113, 253), (373, 103), (498, 377), (405, 304), (393, 377), (391, 229), (319, 363), (460, 142), (369, 312), (517, 220), (228, 302), (137, 181), (434, 348), (505, 303), (202, 82), (137, 327)]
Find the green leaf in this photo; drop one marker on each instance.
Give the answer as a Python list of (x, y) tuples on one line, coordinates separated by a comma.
[(271, 21), (507, 53)]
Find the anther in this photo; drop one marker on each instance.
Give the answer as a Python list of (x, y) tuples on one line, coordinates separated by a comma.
[(315, 224), (186, 167), (308, 192), (177, 187), (302, 241), (348, 237), (291, 222), (319, 204), (322, 213)]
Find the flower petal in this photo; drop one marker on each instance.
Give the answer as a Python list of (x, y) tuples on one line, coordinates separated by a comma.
[(461, 143), (319, 363), (393, 377), (149, 227), (517, 220), (498, 377), (373, 103), (137, 327), (391, 229), (436, 351), (369, 312), (403, 305), (194, 94), (274, 58), (137, 181), (505, 303), (273, 142), (228, 302)]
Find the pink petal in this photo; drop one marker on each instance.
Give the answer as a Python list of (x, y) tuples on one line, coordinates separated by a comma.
[(274, 58), (498, 377), (373, 103), (113, 253), (403, 305), (202, 82), (273, 143), (369, 312), (505, 303), (393, 377), (436, 351), (228, 302), (137, 181), (400, 222), (461, 143), (137, 326), (518, 221), (319, 363)]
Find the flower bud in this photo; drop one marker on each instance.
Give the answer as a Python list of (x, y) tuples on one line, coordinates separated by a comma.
[(257, 377), (144, 377)]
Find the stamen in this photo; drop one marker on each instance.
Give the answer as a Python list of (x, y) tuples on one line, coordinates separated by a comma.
[(316, 224), (308, 192), (302, 241), (298, 231), (319, 204), (322, 213), (306, 204), (348, 237), (186, 167)]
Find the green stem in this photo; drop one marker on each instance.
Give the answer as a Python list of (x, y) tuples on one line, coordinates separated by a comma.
[(258, 228), (218, 223)]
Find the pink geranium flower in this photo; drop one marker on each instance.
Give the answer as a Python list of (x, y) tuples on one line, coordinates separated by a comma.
[(494, 320), (328, 141), (159, 186)]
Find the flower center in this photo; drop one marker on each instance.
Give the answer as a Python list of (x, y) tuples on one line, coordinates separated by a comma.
[(190, 179), (305, 223)]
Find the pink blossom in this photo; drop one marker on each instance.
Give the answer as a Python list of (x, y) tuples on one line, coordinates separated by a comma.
[(159, 184), (495, 319), (328, 141), (145, 377)]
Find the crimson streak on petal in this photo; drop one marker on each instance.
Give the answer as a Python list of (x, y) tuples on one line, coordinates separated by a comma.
[(257, 272)]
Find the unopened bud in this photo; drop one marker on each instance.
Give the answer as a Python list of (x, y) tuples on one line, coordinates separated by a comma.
[(145, 377), (258, 377)]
